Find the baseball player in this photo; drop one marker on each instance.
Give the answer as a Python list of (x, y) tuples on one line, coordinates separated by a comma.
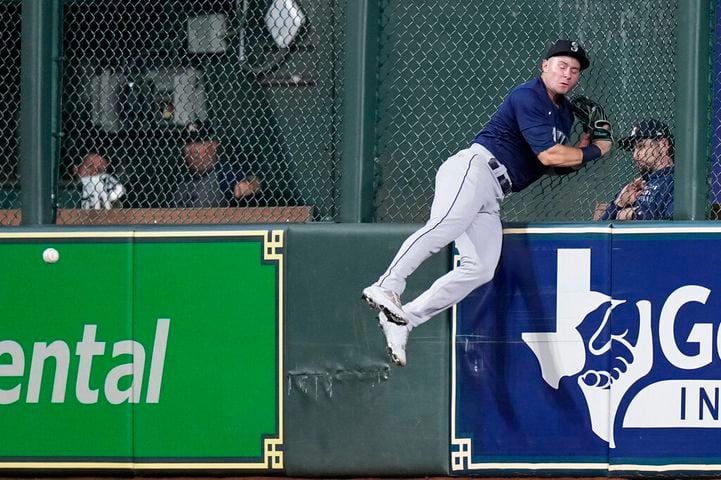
[(525, 138), (650, 196)]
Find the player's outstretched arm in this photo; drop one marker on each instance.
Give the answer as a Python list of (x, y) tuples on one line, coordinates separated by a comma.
[(566, 156), (561, 156)]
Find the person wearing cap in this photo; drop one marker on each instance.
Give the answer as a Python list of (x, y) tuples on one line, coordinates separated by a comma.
[(210, 182), (650, 196), (527, 137)]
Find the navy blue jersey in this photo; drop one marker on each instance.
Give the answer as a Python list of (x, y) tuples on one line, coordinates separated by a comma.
[(655, 202), (526, 124)]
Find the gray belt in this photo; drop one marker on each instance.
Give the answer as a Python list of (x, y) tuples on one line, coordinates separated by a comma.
[(503, 180)]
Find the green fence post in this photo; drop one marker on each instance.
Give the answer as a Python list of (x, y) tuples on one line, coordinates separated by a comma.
[(56, 98), (39, 20), (692, 104), (359, 105)]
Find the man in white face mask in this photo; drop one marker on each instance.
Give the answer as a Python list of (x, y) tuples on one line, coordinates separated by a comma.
[(101, 191)]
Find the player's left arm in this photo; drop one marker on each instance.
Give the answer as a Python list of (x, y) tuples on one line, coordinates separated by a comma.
[(584, 141), (564, 156), (561, 156)]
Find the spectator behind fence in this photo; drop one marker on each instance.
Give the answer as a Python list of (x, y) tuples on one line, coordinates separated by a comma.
[(100, 189), (210, 180), (650, 196)]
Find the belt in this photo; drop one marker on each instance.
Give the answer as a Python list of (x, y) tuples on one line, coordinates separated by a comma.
[(503, 180)]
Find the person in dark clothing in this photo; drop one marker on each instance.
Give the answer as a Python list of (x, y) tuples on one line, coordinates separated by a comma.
[(650, 196)]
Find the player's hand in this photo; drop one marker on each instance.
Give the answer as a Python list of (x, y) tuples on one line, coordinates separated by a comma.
[(594, 120), (584, 140), (630, 193)]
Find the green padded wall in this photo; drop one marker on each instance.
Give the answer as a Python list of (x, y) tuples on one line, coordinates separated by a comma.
[(348, 410)]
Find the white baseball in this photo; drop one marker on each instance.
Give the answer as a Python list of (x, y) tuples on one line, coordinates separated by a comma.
[(50, 255)]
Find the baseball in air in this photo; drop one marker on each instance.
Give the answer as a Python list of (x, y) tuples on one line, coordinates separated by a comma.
[(50, 255)]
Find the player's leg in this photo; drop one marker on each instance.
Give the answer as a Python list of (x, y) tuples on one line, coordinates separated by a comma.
[(396, 338), (479, 249), (458, 197)]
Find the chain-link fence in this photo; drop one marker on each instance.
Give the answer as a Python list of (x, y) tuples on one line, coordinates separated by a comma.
[(447, 65), (182, 111), (176, 109), (10, 15), (715, 130)]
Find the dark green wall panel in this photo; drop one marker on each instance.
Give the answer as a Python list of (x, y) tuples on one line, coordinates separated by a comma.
[(348, 410)]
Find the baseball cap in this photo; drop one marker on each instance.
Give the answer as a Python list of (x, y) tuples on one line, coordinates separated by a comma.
[(650, 128), (569, 48), (197, 131)]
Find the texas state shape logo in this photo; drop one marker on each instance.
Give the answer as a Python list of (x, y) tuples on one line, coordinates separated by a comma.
[(627, 359)]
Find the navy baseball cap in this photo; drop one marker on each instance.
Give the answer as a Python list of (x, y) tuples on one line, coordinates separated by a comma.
[(569, 48), (651, 128)]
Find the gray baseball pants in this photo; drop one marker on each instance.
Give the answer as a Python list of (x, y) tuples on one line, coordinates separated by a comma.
[(465, 209)]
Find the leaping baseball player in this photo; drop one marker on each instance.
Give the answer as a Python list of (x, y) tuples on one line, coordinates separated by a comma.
[(526, 138)]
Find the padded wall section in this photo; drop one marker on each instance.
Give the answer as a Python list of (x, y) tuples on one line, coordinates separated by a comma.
[(349, 411)]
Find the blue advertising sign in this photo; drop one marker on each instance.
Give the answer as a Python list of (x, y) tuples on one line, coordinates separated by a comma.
[(594, 349)]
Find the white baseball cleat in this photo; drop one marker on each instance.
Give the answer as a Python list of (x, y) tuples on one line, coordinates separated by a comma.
[(396, 339), (387, 302)]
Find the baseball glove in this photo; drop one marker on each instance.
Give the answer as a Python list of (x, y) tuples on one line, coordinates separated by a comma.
[(593, 118)]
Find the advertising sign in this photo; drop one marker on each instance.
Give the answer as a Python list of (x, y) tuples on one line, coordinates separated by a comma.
[(149, 350), (593, 349)]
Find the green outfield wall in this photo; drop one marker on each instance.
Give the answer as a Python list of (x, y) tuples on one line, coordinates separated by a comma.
[(245, 351), (349, 411)]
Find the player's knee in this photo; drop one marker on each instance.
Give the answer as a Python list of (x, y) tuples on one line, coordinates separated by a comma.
[(446, 230), (476, 271)]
